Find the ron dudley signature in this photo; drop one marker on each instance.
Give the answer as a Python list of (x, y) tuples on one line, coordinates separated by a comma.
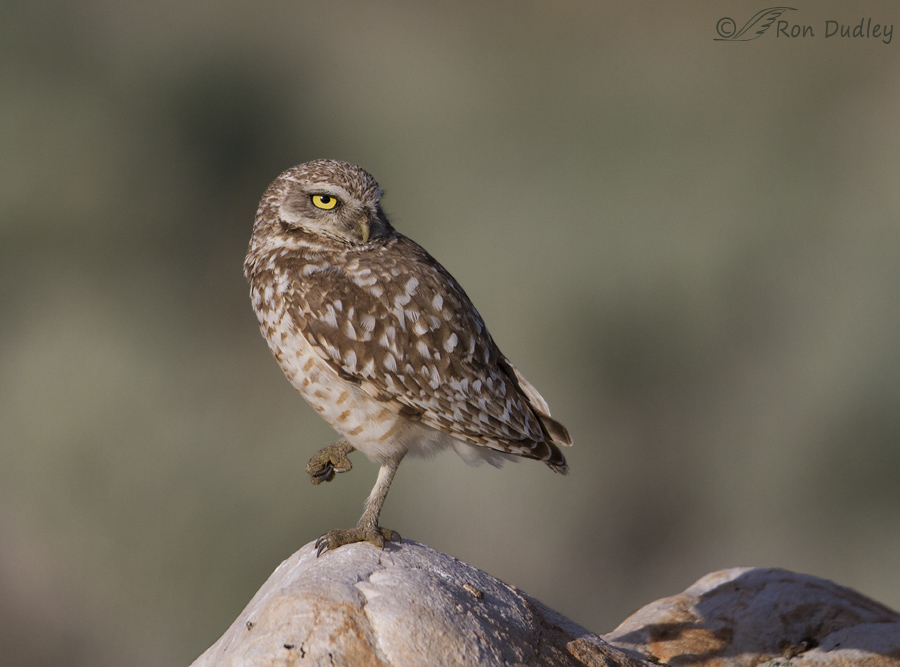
[(762, 21)]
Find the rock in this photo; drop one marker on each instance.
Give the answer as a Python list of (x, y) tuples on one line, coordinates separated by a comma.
[(410, 605), (407, 605), (749, 616)]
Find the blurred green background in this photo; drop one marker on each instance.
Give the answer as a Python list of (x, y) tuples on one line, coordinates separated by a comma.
[(691, 247)]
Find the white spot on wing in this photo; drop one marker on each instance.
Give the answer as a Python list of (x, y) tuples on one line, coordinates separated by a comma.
[(388, 338), (350, 330), (390, 363), (435, 378), (422, 349), (450, 343)]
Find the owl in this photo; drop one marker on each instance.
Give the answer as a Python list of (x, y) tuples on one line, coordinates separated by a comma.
[(381, 340)]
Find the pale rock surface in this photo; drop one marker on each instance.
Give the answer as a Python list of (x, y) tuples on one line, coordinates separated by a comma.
[(745, 617), (405, 606), (411, 606)]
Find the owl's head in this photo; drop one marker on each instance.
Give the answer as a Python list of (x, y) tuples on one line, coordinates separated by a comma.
[(335, 202)]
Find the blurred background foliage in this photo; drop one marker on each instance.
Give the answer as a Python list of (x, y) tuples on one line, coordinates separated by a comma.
[(689, 246)]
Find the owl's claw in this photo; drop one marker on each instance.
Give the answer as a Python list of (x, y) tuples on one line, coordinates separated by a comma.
[(372, 534), (328, 461)]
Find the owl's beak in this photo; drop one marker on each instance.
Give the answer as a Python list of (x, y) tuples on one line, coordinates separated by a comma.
[(364, 228)]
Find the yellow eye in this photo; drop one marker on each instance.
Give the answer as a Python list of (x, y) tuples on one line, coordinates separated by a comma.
[(325, 202)]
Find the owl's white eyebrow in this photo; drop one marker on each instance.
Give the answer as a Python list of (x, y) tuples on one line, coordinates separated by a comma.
[(330, 189)]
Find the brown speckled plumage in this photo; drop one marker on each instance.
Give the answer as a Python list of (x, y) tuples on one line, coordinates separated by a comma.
[(377, 336)]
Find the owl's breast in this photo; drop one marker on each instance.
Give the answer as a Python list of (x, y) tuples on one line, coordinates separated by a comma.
[(367, 423)]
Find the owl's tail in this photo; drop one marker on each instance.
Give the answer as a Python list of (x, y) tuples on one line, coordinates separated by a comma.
[(555, 434), (558, 435)]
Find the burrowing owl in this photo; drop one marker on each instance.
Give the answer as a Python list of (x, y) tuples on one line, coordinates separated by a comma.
[(381, 340)]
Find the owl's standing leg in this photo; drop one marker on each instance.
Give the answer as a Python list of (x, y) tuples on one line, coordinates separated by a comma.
[(367, 530), (329, 460), (376, 498)]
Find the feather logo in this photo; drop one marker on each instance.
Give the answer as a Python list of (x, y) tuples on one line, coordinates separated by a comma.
[(755, 27)]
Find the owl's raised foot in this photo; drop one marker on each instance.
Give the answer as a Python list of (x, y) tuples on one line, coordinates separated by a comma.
[(328, 461), (365, 533)]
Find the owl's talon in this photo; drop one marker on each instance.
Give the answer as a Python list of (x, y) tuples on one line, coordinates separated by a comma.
[(321, 545), (324, 474), (329, 460), (390, 535), (372, 534)]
